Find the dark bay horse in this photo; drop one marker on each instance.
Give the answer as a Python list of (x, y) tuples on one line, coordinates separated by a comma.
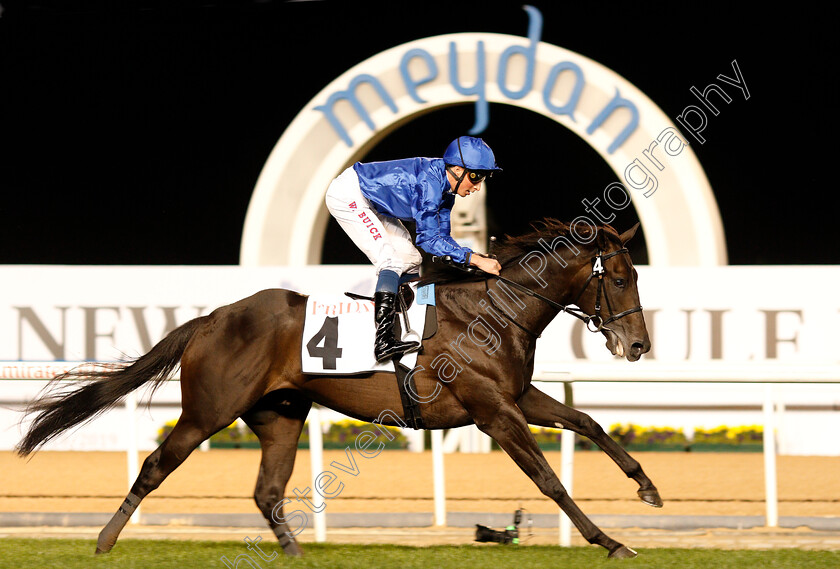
[(243, 360)]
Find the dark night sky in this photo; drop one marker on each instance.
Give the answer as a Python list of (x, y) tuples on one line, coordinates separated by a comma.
[(136, 135)]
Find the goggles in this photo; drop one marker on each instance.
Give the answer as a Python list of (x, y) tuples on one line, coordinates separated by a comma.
[(477, 176)]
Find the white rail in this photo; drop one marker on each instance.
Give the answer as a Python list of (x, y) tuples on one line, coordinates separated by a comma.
[(763, 372)]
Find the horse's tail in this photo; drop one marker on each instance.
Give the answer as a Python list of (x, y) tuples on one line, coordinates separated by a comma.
[(63, 407)]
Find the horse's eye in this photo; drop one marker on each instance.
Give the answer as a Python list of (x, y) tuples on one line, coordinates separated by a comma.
[(619, 283)]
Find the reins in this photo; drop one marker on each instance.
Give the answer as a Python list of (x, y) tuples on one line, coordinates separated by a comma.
[(595, 319)]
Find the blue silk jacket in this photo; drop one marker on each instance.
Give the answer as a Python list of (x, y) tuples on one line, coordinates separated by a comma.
[(414, 188)]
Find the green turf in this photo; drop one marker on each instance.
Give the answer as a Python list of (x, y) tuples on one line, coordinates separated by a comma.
[(134, 553)]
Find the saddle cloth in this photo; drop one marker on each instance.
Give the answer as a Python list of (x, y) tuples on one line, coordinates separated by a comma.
[(338, 335)]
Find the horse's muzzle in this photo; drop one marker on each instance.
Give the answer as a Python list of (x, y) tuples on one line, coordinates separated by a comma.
[(636, 351), (617, 346)]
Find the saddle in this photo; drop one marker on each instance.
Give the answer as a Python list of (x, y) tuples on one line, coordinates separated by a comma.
[(406, 296)]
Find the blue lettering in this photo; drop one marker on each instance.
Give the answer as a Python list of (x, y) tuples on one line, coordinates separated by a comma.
[(534, 32), (616, 102), (481, 106), (350, 95), (411, 84), (571, 104), (427, 70)]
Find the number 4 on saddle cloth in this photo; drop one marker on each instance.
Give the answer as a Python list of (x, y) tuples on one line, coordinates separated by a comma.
[(339, 331)]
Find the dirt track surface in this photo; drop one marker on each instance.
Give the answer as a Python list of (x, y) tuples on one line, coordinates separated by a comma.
[(222, 481)]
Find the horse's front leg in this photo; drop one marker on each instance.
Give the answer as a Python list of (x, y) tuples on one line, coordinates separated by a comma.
[(540, 409), (498, 416)]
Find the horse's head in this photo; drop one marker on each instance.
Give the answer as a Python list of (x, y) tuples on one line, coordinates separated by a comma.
[(609, 294), (597, 277)]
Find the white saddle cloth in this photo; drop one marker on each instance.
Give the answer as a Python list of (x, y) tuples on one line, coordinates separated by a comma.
[(338, 335)]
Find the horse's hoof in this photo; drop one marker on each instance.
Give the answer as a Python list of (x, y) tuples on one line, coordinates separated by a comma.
[(292, 549), (102, 546), (651, 497), (623, 552)]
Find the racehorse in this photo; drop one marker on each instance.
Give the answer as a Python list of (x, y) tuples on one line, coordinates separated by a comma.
[(243, 360)]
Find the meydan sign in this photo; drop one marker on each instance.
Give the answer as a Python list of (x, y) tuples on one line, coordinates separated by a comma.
[(658, 172)]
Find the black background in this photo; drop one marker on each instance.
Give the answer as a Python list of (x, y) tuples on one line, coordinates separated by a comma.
[(135, 135)]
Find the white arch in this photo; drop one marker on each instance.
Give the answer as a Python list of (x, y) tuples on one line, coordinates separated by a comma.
[(286, 219)]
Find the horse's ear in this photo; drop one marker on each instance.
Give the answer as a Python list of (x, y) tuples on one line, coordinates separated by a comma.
[(628, 235), (601, 238)]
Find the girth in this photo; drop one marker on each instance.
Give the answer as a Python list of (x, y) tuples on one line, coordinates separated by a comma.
[(405, 379)]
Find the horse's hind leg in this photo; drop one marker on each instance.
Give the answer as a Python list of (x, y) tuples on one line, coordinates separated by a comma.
[(277, 419), (498, 416), (201, 417), (224, 371), (540, 409), (183, 439)]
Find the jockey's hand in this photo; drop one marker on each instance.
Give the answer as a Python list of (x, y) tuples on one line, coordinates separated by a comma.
[(486, 264)]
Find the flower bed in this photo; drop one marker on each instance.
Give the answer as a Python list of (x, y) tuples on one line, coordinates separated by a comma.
[(343, 433), (340, 435), (748, 438), (722, 438), (637, 438), (631, 437)]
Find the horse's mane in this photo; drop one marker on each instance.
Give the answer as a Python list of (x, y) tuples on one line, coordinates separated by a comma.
[(511, 248)]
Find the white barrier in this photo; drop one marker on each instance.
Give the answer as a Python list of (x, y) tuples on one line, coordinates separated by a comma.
[(45, 371), (764, 372)]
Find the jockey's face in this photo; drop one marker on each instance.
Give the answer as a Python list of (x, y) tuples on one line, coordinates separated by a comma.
[(467, 187)]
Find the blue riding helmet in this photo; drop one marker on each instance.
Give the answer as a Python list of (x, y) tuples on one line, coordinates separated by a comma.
[(470, 153)]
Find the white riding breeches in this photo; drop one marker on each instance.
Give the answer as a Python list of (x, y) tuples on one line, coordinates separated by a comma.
[(385, 240)]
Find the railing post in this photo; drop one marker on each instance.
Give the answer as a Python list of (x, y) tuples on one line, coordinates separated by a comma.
[(131, 447), (770, 482), (316, 460), (438, 477), (567, 468)]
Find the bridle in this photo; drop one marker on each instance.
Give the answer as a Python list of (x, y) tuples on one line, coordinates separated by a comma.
[(599, 270), (594, 322)]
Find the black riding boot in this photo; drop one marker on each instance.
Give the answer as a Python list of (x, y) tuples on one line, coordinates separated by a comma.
[(386, 345)]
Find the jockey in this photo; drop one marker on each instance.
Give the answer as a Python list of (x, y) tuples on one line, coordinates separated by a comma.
[(369, 200)]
